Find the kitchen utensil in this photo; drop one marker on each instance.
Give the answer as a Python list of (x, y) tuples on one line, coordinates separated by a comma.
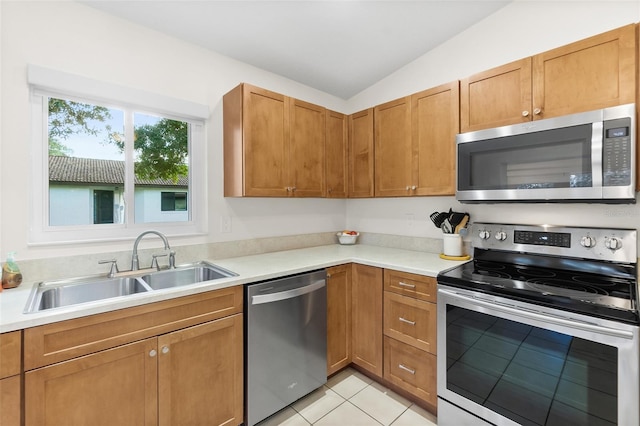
[(446, 226), (455, 218), (437, 218), (462, 224)]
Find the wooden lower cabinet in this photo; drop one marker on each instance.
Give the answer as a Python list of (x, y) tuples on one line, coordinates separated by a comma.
[(410, 318), (366, 317), (338, 317), (411, 369), (10, 378), (175, 362), (189, 377), (114, 387), (200, 374)]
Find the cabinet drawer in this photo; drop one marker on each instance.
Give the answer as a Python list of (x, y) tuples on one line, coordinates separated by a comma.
[(412, 285), (10, 353), (64, 340), (411, 369), (410, 321)]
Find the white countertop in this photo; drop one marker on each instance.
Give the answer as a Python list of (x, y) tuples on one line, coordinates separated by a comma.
[(249, 269)]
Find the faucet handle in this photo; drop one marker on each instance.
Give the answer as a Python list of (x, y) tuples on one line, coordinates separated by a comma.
[(154, 260), (114, 267), (172, 259)]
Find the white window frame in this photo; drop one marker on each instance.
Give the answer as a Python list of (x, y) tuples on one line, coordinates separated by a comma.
[(45, 83)]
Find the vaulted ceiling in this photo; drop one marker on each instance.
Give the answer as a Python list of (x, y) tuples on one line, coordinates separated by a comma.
[(338, 47)]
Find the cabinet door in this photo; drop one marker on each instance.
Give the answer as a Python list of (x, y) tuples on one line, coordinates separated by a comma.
[(306, 149), (338, 317), (10, 401), (435, 121), (393, 149), (593, 73), (361, 154), (266, 142), (336, 154), (496, 97), (200, 374), (113, 387), (366, 318)]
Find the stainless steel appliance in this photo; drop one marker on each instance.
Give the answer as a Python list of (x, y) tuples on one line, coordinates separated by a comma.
[(286, 342), (541, 328), (586, 157)]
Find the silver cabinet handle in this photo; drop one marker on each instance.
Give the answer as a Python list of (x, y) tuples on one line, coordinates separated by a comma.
[(407, 321), (401, 284), (165, 349), (152, 353), (407, 369)]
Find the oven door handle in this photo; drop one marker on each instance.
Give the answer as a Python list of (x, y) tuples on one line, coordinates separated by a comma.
[(522, 312)]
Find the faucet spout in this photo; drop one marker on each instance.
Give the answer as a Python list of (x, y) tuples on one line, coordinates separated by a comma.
[(135, 265)]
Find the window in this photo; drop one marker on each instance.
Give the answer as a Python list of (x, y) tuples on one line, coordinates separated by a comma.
[(174, 201), (110, 167)]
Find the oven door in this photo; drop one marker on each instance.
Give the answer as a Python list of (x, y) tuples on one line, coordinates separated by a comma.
[(510, 363)]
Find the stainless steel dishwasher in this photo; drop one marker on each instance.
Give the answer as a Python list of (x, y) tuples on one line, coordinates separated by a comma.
[(286, 342)]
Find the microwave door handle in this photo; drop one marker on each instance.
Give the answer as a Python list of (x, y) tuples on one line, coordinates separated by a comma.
[(596, 154)]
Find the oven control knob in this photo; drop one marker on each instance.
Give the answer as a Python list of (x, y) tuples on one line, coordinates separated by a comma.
[(484, 234), (588, 241), (613, 243), (501, 235)]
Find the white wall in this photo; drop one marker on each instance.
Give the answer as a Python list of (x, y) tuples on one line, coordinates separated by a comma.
[(77, 39), (74, 38), (521, 29)]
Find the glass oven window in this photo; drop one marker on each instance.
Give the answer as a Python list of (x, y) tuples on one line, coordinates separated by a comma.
[(558, 158), (528, 374)]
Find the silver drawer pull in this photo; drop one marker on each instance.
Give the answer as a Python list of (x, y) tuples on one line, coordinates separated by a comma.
[(402, 367), (401, 284), (407, 321)]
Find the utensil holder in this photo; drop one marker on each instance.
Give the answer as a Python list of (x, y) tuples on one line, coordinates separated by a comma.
[(452, 244)]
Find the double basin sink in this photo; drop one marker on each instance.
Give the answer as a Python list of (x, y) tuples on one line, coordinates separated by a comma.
[(56, 294)]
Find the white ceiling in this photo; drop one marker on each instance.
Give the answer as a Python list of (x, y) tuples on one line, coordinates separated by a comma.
[(338, 47)]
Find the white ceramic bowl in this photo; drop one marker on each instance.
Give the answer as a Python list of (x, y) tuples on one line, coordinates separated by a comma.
[(346, 239)]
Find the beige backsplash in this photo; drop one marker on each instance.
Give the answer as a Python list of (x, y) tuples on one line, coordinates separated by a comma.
[(83, 265)]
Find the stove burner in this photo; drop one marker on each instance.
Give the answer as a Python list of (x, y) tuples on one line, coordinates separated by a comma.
[(560, 287), (536, 272)]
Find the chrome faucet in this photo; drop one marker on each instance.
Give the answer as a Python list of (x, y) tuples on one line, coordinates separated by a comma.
[(134, 257)]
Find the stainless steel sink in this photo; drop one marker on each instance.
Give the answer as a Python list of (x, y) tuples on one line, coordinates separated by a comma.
[(186, 275), (56, 294)]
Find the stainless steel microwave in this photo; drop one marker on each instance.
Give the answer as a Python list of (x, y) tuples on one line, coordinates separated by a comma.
[(585, 157)]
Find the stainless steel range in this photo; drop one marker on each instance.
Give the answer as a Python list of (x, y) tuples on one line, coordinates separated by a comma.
[(541, 328)]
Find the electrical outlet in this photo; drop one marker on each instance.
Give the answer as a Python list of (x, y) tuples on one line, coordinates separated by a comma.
[(225, 224)]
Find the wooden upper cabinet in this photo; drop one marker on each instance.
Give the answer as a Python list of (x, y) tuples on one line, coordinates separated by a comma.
[(593, 73), (496, 97), (361, 154), (336, 154), (256, 143), (393, 150), (435, 121), (306, 172), (273, 145)]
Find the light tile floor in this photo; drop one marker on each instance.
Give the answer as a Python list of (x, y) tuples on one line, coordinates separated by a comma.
[(350, 399)]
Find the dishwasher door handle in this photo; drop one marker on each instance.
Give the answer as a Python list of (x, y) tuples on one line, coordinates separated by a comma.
[(288, 294)]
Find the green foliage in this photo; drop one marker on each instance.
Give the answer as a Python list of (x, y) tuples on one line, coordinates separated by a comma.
[(68, 117), (163, 150)]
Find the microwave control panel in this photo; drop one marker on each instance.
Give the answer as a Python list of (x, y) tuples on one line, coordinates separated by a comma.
[(616, 152)]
